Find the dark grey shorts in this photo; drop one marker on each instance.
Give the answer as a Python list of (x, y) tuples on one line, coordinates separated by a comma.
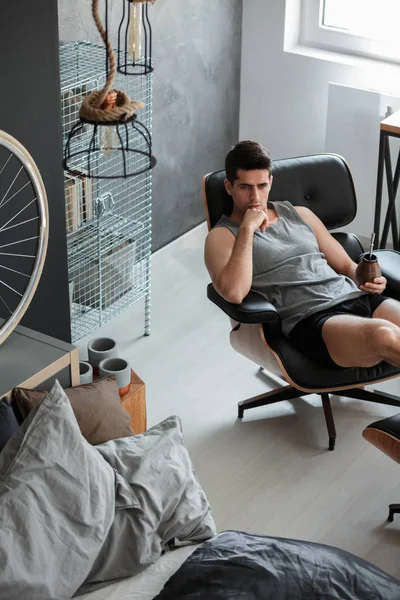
[(307, 334)]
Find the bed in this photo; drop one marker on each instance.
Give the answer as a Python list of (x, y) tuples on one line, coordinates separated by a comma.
[(147, 584), (129, 520), (237, 565)]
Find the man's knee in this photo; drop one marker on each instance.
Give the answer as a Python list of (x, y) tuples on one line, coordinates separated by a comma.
[(386, 337)]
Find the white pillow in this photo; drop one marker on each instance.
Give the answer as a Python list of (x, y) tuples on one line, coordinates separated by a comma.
[(167, 505), (57, 503)]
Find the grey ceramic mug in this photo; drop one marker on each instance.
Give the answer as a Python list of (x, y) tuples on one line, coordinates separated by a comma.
[(85, 372), (101, 348), (120, 368)]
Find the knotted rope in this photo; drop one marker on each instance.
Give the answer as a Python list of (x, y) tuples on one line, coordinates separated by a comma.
[(92, 107)]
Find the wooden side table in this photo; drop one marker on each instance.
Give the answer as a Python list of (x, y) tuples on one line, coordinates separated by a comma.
[(30, 359), (389, 127), (134, 402)]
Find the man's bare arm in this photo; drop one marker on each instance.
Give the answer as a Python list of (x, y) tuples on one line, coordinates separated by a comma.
[(334, 252), (229, 260)]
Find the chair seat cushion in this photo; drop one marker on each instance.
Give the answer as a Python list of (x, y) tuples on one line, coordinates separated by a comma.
[(309, 375), (390, 425)]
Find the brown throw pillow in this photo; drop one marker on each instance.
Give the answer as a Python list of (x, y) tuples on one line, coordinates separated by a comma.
[(97, 407)]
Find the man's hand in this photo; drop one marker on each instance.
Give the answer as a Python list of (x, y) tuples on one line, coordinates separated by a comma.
[(255, 218), (375, 287)]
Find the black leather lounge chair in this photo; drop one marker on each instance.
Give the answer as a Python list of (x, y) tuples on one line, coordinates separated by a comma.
[(325, 185)]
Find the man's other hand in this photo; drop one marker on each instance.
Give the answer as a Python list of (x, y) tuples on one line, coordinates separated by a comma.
[(375, 287), (255, 218)]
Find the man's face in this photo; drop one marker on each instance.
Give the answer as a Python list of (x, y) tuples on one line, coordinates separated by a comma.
[(250, 189)]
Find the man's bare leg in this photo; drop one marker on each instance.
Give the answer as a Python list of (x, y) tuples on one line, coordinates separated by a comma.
[(388, 310), (361, 342)]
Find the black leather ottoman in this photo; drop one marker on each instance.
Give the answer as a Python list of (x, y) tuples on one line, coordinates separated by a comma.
[(385, 435)]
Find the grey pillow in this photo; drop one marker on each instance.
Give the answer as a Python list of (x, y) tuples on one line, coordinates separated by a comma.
[(56, 504), (169, 507)]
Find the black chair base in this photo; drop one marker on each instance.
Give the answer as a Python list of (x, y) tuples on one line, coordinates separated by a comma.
[(393, 509), (289, 392)]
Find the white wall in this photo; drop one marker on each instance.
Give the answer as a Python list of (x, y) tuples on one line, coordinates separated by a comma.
[(284, 96)]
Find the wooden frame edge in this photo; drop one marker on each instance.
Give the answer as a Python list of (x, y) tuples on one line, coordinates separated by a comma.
[(392, 447), (74, 367), (203, 190)]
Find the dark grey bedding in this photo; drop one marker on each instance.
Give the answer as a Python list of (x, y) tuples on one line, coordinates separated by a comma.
[(242, 566)]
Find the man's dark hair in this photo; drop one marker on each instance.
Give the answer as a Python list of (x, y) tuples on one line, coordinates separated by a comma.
[(246, 155)]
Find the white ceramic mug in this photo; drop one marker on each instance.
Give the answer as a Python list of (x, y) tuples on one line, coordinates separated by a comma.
[(85, 372), (101, 348), (120, 368)]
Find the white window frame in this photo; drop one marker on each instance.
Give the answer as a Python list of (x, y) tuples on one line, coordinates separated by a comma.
[(316, 35)]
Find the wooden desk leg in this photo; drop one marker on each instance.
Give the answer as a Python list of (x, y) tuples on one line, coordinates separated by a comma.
[(379, 184), (391, 217), (74, 367)]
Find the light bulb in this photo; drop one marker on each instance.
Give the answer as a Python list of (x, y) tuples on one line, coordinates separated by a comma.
[(135, 39), (108, 139)]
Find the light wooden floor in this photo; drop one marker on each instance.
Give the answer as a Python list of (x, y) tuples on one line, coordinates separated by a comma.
[(270, 473)]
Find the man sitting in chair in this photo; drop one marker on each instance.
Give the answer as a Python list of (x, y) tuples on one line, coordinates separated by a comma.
[(287, 255)]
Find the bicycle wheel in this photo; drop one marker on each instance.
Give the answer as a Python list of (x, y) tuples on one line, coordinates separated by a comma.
[(24, 230)]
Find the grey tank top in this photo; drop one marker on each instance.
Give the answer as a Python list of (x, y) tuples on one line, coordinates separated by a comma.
[(290, 271)]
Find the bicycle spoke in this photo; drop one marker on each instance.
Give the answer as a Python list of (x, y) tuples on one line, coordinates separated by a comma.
[(15, 271), (35, 237), (21, 255), (6, 305), (18, 213), (11, 184), (5, 164), (10, 288), (18, 224), (15, 194)]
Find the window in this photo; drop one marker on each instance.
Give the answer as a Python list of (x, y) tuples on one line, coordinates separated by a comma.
[(359, 27)]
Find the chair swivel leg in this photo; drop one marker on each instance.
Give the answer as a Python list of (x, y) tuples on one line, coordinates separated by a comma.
[(330, 423), (287, 392), (393, 509)]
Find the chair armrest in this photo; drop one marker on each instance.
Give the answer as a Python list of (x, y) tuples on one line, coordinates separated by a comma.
[(350, 243), (253, 309), (389, 262)]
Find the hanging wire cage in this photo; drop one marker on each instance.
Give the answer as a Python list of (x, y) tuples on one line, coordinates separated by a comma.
[(114, 135), (135, 39), (114, 150)]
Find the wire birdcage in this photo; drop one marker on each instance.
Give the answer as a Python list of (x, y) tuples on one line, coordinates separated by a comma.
[(108, 220)]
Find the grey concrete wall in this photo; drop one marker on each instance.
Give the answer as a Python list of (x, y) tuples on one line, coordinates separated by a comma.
[(196, 50)]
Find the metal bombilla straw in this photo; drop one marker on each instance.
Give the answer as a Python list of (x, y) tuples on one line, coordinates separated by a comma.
[(371, 246)]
